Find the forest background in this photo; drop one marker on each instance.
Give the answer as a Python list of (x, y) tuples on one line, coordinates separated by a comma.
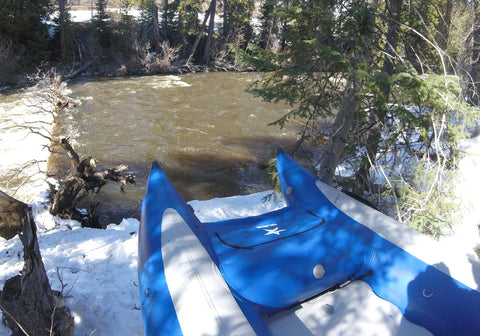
[(385, 88)]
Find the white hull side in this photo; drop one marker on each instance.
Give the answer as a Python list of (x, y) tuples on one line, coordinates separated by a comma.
[(203, 302)]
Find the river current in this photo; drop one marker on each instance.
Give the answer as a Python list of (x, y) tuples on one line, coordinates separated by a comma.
[(210, 136)]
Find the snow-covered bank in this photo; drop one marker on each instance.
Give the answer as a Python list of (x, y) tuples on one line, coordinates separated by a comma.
[(94, 269), (465, 236), (86, 15)]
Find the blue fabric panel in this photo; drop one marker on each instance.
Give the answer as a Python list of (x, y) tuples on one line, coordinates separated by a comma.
[(251, 232), (276, 271)]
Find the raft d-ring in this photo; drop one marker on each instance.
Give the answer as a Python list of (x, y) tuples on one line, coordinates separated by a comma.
[(426, 293)]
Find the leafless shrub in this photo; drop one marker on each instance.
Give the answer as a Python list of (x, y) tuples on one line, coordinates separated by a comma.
[(161, 62), (154, 62)]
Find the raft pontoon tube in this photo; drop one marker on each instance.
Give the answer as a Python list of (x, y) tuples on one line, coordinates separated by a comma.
[(228, 277)]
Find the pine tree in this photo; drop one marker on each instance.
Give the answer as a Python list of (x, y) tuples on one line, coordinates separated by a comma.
[(100, 24), (341, 60), (381, 106), (188, 11), (150, 25), (237, 16), (23, 24), (63, 37)]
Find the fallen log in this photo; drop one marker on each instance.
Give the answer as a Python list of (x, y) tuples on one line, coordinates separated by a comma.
[(28, 303), (83, 179), (75, 73)]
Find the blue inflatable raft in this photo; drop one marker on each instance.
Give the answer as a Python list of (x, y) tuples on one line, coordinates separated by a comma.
[(230, 277)]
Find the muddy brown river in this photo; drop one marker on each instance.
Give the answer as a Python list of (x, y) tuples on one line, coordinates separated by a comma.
[(209, 135)]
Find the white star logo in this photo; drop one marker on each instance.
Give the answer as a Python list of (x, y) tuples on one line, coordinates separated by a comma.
[(275, 231)]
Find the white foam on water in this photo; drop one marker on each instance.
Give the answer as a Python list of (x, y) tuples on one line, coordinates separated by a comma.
[(24, 123)]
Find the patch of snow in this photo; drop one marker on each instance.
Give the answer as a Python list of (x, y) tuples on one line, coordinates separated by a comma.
[(466, 235)]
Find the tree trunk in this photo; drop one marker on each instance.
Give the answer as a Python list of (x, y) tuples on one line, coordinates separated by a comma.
[(62, 14), (362, 176), (156, 30), (475, 59), (200, 33), (444, 27), (226, 20), (165, 16), (342, 126), (206, 51), (28, 303)]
